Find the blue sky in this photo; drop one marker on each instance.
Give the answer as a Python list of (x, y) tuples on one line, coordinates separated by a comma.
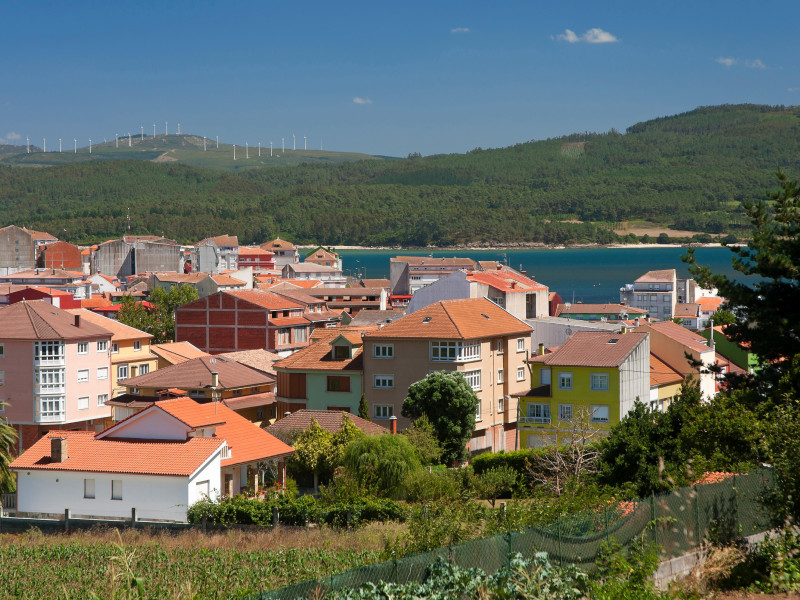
[(383, 78)]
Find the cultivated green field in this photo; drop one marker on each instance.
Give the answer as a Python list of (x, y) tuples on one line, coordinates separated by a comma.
[(183, 149)]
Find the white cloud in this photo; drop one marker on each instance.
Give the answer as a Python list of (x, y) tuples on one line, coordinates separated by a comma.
[(754, 64), (461, 30), (592, 36), (727, 61), (792, 89), (10, 138), (358, 100)]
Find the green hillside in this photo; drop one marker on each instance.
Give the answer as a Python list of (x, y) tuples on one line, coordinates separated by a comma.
[(689, 171), (184, 149)]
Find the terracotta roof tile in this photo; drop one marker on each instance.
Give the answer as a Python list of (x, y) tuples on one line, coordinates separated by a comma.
[(594, 349), (603, 309), (196, 374), (264, 299), (709, 304), (665, 275), (679, 334), (471, 318), (40, 320), (140, 457), (177, 352), (278, 244), (506, 281), (330, 420), (318, 357), (223, 241), (687, 309), (259, 359), (661, 373), (428, 261), (251, 401), (119, 331)]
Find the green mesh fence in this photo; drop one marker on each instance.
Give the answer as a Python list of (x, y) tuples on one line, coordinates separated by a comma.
[(678, 522)]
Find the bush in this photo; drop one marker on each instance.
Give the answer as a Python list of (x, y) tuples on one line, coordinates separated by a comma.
[(515, 460), (497, 482), (438, 484), (380, 463)]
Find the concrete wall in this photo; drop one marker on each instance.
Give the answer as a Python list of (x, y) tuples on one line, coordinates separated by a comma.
[(17, 250), (122, 259), (634, 377), (452, 287)]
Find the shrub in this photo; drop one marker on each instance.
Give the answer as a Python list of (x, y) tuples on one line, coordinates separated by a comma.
[(381, 463), (497, 482), (439, 484)]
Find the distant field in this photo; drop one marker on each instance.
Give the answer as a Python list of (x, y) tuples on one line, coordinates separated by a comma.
[(641, 229), (183, 149)]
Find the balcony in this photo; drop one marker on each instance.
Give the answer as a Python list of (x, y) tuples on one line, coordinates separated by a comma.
[(534, 420), (50, 417)]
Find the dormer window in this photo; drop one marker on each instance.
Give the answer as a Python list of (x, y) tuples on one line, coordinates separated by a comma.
[(341, 352)]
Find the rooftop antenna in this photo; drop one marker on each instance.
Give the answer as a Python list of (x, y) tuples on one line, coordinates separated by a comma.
[(129, 220), (246, 150), (259, 149), (44, 144), (28, 143), (59, 145), (294, 144), (116, 140), (76, 145), (270, 149), (142, 128), (305, 142)]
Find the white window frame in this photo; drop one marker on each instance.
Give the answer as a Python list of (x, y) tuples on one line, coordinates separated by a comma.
[(116, 489), (137, 345), (102, 399), (501, 404), (538, 412), (565, 381), (383, 381), (501, 346), (89, 489), (383, 350), (473, 378), (83, 403), (102, 373), (123, 372), (520, 344), (478, 411), (598, 387), (144, 368), (48, 351), (2, 351), (102, 346), (114, 348), (447, 351), (520, 373), (383, 411), (300, 335), (501, 376), (83, 347), (50, 378), (565, 413), (83, 375), (597, 407)]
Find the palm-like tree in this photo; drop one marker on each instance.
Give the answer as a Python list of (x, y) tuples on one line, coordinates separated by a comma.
[(8, 439)]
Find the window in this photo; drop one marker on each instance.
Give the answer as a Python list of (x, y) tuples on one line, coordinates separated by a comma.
[(565, 381), (122, 372), (102, 346), (520, 373), (2, 351), (48, 351), (341, 352), (88, 488), (657, 286), (51, 407), (83, 403), (144, 369), (479, 410), (565, 412), (383, 381), (102, 373), (544, 377), (450, 351), (83, 375), (114, 348), (137, 345), (338, 383), (300, 335), (600, 413), (501, 376), (116, 489), (102, 399), (383, 350), (666, 298), (501, 405), (284, 336), (473, 379), (600, 382), (384, 411), (538, 413), (500, 346), (520, 344), (2, 377), (49, 379), (83, 347)]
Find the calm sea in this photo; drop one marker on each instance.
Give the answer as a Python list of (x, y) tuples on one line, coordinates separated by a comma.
[(585, 274)]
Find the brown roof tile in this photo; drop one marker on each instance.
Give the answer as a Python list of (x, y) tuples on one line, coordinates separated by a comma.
[(593, 349), (318, 356), (264, 299), (119, 331), (40, 320), (679, 334), (330, 420), (196, 374), (661, 373), (177, 352), (259, 359), (603, 309), (663, 276)]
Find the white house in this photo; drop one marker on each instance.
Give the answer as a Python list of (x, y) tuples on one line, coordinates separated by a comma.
[(159, 461)]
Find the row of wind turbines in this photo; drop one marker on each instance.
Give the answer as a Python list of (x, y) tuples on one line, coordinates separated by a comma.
[(166, 133)]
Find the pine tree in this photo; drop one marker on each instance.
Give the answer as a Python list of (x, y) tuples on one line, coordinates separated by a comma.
[(363, 408)]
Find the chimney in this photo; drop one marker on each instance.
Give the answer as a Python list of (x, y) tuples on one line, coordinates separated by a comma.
[(636, 322), (393, 424), (214, 379), (286, 414), (540, 351), (58, 449), (77, 320)]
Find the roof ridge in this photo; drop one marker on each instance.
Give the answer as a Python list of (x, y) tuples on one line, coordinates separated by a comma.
[(452, 320)]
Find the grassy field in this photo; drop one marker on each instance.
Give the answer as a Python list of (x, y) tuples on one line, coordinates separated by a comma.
[(187, 565), (184, 149)]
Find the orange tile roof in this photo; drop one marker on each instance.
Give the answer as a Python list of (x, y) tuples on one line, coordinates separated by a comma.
[(318, 356), (715, 477), (250, 401), (119, 331), (39, 235), (603, 309), (95, 302), (279, 244), (264, 299), (46, 274), (470, 318), (709, 304), (300, 283), (177, 352), (687, 309), (661, 373), (40, 320), (226, 280), (259, 359), (89, 453), (665, 275), (506, 281), (223, 241), (679, 334), (593, 349), (247, 251), (427, 261)]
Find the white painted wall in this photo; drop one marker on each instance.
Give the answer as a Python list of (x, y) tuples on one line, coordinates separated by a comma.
[(634, 375), (151, 424)]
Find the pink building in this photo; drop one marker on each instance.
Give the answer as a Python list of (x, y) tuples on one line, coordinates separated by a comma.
[(54, 371)]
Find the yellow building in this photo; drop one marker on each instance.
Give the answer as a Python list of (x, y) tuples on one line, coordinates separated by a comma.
[(130, 350), (593, 375)]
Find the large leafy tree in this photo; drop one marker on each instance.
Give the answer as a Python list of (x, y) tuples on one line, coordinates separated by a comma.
[(320, 451), (381, 463), (160, 320), (449, 403)]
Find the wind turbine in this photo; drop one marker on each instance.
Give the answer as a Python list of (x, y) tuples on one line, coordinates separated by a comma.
[(28, 143), (234, 152), (76, 145), (142, 128), (179, 128), (116, 140), (154, 131), (129, 139), (270, 149), (90, 145), (246, 150), (166, 127), (259, 149), (294, 145), (217, 142), (283, 146), (59, 145), (44, 144), (204, 143), (305, 142)]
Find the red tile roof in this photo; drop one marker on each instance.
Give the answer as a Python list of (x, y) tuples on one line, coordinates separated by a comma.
[(177, 352), (247, 251), (690, 309), (663, 276), (318, 356), (223, 241), (40, 320), (471, 318), (88, 453), (264, 299), (251, 401), (278, 244), (259, 359), (119, 331), (603, 309), (506, 281), (593, 349), (330, 420), (661, 373), (196, 374), (427, 261), (679, 334), (708, 304)]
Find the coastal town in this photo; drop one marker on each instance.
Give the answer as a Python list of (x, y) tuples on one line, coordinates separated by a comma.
[(271, 337)]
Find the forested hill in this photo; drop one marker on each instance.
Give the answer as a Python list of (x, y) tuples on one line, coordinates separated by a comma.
[(688, 171)]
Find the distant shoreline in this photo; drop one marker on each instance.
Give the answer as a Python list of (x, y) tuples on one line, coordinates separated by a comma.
[(519, 247)]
